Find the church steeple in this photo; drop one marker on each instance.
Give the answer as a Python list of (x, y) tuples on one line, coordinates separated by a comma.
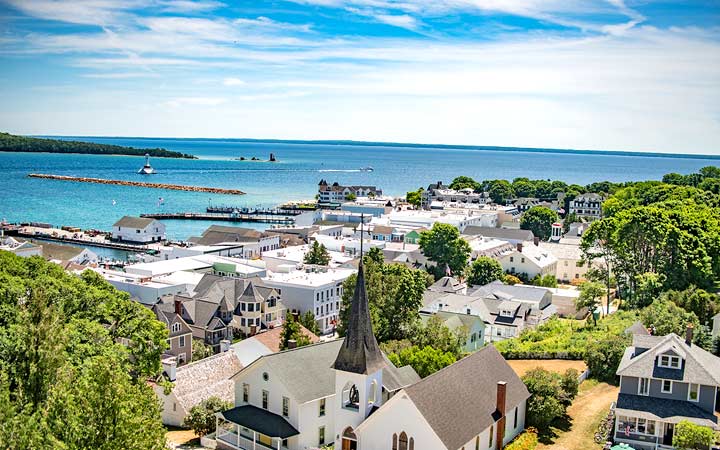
[(360, 352)]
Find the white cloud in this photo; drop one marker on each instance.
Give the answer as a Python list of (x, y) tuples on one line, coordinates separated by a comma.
[(195, 101), (233, 82)]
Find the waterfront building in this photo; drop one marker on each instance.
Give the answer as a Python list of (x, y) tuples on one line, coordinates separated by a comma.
[(587, 205), (236, 241), (20, 247), (138, 229), (333, 195), (68, 254), (439, 193)]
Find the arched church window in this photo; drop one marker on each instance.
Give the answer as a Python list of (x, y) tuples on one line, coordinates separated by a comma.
[(394, 443), (373, 392), (349, 433), (412, 444), (403, 441)]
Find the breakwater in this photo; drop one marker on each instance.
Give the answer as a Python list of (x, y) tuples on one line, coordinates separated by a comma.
[(175, 187)]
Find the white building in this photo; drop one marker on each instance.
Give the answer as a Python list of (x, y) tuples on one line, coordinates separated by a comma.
[(138, 229), (315, 289), (570, 264), (587, 205), (20, 248), (528, 261), (437, 192), (147, 289), (716, 325), (426, 219), (277, 260), (487, 246), (335, 194), (59, 254), (206, 263)]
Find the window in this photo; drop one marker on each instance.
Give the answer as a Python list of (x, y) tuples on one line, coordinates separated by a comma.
[(182, 341), (669, 361), (694, 392), (246, 392), (522, 260), (321, 436), (644, 386), (667, 386), (265, 395), (490, 436), (515, 418), (477, 443), (394, 442), (641, 425), (242, 321), (322, 407), (286, 407), (175, 327), (403, 441), (512, 259), (251, 307), (284, 443), (242, 306)]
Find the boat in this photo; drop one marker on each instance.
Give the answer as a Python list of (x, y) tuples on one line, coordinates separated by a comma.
[(147, 168), (366, 169)]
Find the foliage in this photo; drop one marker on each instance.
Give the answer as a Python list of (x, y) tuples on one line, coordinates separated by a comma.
[(500, 191), (351, 197), (425, 360), (317, 255), (590, 297), (65, 378), (463, 182), (704, 304), (200, 350), (414, 197), (570, 218), (548, 398), (603, 356), (201, 418), (547, 280), (564, 338), (394, 293), (435, 334), (308, 321), (13, 143), (511, 279), (689, 436), (539, 220), (527, 440), (484, 270), (292, 331), (666, 317), (444, 245), (647, 288)]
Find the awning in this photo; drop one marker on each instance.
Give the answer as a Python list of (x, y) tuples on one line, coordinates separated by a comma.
[(260, 420)]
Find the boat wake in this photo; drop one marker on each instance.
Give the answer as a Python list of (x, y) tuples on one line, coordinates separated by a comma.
[(340, 170)]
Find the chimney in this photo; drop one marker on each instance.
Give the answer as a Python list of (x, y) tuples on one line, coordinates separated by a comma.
[(536, 241), (689, 334), (178, 307), (519, 247), (292, 343), (501, 406), (224, 345), (169, 366)]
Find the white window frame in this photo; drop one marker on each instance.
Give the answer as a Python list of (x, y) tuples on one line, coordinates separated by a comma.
[(647, 386), (697, 397), (662, 387), (673, 362)]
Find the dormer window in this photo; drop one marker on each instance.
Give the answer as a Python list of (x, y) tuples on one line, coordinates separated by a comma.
[(669, 361), (506, 313)]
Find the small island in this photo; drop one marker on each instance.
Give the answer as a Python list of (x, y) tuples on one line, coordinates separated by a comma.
[(13, 143)]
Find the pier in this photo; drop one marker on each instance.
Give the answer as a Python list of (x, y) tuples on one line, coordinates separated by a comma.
[(226, 217), (253, 211), (176, 187), (79, 238)]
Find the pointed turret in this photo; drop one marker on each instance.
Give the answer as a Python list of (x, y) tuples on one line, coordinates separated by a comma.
[(360, 352)]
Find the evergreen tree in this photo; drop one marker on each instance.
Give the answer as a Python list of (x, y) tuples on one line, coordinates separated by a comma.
[(317, 255)]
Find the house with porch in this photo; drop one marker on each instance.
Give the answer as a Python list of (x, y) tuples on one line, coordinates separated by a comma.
[(664, 380)]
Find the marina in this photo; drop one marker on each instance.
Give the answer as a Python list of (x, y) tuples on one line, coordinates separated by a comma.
[(225, 217)]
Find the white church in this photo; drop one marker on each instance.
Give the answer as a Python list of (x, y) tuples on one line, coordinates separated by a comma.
[(347, 394)]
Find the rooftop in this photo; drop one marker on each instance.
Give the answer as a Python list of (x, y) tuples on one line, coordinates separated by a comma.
[(305, 278)]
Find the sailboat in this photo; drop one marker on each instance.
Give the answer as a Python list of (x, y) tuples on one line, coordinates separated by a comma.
[(147, 168)]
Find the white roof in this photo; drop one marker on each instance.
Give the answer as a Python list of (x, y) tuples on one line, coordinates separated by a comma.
[(311, 279), (563, 250), (538, 255), (190, 263), (296, 254), (250, 349)]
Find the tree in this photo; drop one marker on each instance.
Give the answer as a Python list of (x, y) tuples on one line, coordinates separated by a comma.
[(484, 270), (603, 356), (511, 279), (414, 197), (689, 436), (292, 331), (308, 321), (547, 280), (463, 182), (201, 418), (539, 220), (590, 297), (647, 288), (425, 361), (548, 400), (500, 191), (200, 350), (435, 334), (523, 187), (351, 197), (444, 245), (666, 317), (374, 255), (317, 255), (704, 304)]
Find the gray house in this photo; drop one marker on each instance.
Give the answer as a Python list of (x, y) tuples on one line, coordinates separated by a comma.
[(663, 381)]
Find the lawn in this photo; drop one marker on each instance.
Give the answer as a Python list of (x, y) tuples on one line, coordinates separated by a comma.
[(577, 429), (521, 366)]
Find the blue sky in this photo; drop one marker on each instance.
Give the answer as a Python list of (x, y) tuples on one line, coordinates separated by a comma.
[(588, 74)]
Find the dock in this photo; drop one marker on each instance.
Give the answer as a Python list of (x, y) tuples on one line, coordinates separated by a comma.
[(175, 187), (52, 235), (225, 217), (253, 211)]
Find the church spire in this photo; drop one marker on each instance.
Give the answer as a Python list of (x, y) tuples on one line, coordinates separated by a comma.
[(360, 352)]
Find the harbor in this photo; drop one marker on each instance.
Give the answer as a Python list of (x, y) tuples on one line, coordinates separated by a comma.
[(225, 217), (175, 187)]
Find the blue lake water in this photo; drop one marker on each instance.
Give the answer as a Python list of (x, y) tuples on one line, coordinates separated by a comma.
[(294, 177)]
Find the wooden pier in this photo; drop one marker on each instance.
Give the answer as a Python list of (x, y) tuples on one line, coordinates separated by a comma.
[(231, 217), (253, 211), (83, 242), (175, 187)]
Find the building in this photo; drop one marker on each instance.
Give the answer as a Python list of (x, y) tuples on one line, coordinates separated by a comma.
[(194, 383), (438, 192), (374, 207), (290, 258), (218, 265), (138, 229), (335, 194), (570, 262), (513, 236), (148, 290), (716, 326), (20, 248), (179, 333), (487, 246), (265, 343), (664, 380), (315, 289), (243, 242), (63, 254), (457, 322), (528, 261), (587, 205), (460, 219), (347, 394)]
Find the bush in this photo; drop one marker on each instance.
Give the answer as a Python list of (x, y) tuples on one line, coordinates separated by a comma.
[(425, 361), (548, 398), (689, 436), (603, 356), (527, 440), (201, 418)]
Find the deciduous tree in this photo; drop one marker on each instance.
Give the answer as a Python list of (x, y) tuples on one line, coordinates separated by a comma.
[(201, 418), (484, 270), (539, 220), (444, 245)]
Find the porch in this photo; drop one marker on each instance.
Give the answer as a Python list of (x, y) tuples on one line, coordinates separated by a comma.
[(250, 428)]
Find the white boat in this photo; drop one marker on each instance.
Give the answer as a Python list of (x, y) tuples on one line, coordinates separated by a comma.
[(147, 168), (366, 169)]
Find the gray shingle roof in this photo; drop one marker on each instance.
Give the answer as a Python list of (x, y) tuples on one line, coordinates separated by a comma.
[(499, 233), (133, 222), (637, 328), (61, 252), (699, 365), (459, 401), (206, 378), (500, 291), (663, 409)]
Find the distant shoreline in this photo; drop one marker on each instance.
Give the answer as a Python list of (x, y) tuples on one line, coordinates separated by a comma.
[(351, 143)]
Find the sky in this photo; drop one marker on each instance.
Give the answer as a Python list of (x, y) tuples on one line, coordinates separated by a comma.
[(636, 75)]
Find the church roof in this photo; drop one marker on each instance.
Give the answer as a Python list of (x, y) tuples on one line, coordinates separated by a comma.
[(360, 352)]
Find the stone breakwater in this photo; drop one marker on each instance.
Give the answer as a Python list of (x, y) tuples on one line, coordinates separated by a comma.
[(175, 187)]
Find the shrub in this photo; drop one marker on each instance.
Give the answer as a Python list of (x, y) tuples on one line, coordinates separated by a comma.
[(527, 440), (548, 399), (603, 356), (689, 436), (201, 418)]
